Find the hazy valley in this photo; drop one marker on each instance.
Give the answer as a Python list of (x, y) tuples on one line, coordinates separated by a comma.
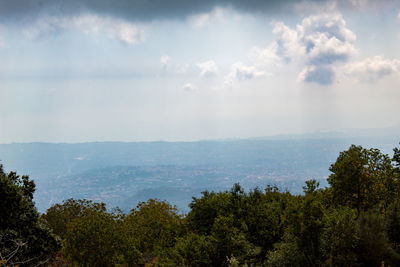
[(123, 174)]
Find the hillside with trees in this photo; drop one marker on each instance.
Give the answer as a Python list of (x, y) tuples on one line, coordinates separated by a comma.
[(355, 221)]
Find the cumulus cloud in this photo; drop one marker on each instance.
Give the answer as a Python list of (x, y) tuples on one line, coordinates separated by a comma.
[(208, 68), (316, 45), (323, 48), (398, 15), (267, 56), (322, 75), (188, 87), (288, 45), (241, 72), (118, 29), (372, 69)]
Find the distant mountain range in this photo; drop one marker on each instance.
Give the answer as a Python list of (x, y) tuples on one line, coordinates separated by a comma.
[(124, 173), (346, 133)]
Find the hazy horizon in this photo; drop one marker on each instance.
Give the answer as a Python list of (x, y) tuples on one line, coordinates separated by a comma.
[(338, 133)]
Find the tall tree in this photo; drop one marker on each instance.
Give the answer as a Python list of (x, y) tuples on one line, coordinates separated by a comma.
[(362, 178), (24, 238)]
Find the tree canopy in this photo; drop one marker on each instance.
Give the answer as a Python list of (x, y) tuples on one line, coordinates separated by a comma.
[(24, 237)]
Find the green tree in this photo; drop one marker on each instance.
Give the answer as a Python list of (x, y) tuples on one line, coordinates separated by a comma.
[(192, 250), (153, 225), (264, 218), (248, 223), (373, 245), (204, 211), (59, 216), (362, 178), (301, 244), (227, 241), (94, 239), (393, 224), (24, 238), (286, 253), (339, 238)]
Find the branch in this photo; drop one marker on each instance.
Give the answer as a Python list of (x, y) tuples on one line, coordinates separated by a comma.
[(20, 244), (23, 262)]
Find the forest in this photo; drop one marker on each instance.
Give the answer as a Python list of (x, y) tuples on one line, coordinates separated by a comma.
[(354, 221)]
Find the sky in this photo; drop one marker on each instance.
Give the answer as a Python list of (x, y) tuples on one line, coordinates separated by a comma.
[(135, 70)]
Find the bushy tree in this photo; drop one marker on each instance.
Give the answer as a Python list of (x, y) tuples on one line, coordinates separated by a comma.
[(204, 211), (339, 238), (373, 246), (59, 216), (264, 218), (285, 253), (153, 224), (301, 244), (94, 239), (192, 250), (362, 178), (24, 238), (393, 224), (226, 241)]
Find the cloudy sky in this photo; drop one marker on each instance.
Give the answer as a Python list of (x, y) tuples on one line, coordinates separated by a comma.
[(97, 70)]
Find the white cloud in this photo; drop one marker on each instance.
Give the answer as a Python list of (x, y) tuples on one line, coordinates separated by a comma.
[(267, 56), (208, 68), (318, 44), (188, 87), (371, 69), (242, 72), (398, 15), (288, 42), (322, 47), (89, 24), (204, 19)]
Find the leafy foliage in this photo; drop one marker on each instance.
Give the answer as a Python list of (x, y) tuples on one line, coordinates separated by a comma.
[(153, 224), (60, 215), (362, 178), (24, 238), (93, 239)]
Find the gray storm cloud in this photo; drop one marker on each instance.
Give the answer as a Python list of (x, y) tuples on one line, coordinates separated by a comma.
[(127, 9), (145, 10)]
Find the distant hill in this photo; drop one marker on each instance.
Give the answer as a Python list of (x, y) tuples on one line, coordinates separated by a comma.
[(348, 133)]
